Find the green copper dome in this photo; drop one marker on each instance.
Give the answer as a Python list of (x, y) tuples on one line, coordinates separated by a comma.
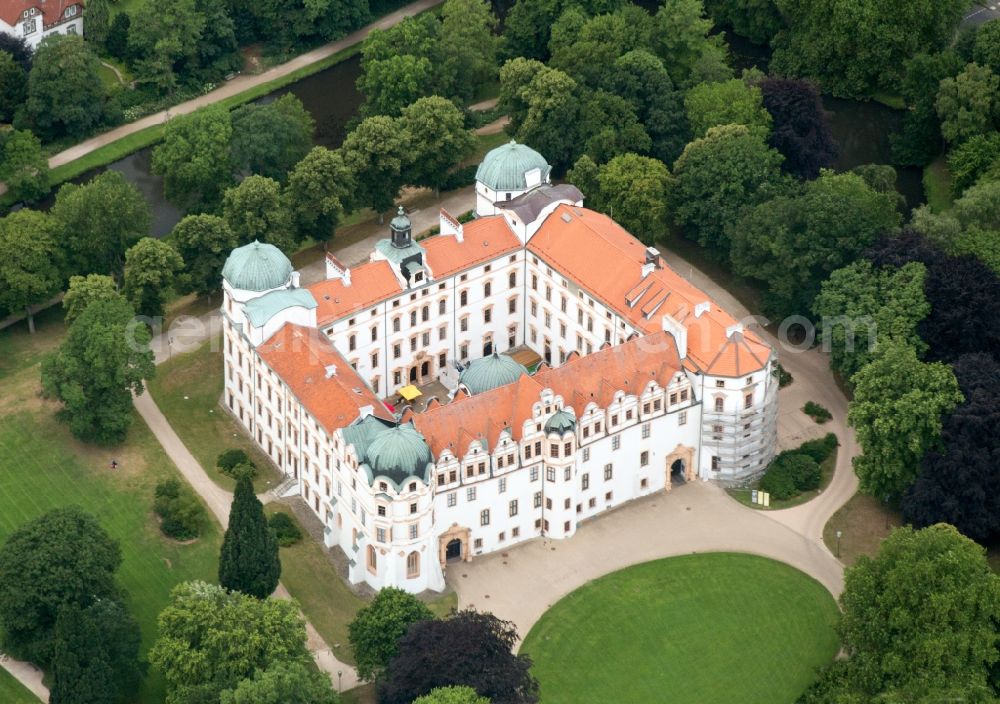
[(489, 373), (398, 452), (257, 267), (503, 168), (561, 422)]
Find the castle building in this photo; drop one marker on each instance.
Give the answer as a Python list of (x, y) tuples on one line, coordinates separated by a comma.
[(641, 380), (33, 20)]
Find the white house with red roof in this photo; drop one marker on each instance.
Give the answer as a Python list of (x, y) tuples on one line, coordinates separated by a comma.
[(33, 20), (643, 381)]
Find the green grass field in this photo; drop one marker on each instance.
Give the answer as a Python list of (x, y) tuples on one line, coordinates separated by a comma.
[(937, 185), (42, 467), (720, 628), (13, 692), (187, 388)]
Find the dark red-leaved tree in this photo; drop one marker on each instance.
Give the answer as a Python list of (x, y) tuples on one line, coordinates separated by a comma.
[(960, 480), (469, 648), (800, 130)]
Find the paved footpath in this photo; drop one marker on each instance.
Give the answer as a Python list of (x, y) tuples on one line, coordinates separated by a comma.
[(522, 583), (239, 84)]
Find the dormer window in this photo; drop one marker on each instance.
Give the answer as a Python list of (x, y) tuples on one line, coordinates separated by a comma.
[(418, 277)]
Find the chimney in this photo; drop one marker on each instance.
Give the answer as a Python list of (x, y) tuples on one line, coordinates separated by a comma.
[(331, 370), (653, 257), (347, 277), (703, 307), (647, 269), (295, 279)]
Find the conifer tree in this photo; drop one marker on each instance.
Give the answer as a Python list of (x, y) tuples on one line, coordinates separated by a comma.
[(249, 561)]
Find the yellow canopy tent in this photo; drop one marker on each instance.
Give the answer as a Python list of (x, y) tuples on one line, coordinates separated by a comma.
[(410, 392)]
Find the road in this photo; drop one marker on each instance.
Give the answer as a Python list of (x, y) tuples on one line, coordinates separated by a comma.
[(981, 13), (240, 84)]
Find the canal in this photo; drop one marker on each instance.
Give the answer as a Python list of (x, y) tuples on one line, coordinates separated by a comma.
[(862, 130)]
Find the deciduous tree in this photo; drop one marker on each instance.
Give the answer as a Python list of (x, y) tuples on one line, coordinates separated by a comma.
[(860, 306), (204, 242), (635, 191), (682, 39), (104, 358), (920, 141), (63, 557), (725, 103), (84, 290), (896, 412), (553, 108), (452, 695), (249, 561), (255, 210), (29, 267), (24, 168), (469, 648), (792, 243), (800, 130), (377, 628), (65, 94), (969, 104), (437, 138), (13, 86), (855, 47), (270, 139), (318, 191), (283, 683), (151, 267), (718, 176), (959, 482), (96, 653), (210, 640), (375, 152), (165, 39), (757, 20), (922, 614), (469, 45), (194, 158), (99, 221)]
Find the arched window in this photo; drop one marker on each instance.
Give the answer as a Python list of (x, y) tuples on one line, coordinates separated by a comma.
[(413, 565), (372, 560)]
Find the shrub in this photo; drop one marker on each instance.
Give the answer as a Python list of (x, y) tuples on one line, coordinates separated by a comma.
[(816, 412), (181, 514), (790, 474), (286, 530), (783, 375), (234, 462), (820, 448), (777, 482)]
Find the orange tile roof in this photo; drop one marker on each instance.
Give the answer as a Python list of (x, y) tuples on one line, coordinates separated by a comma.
[(627, 367), (52, 11), (483, 239), (301, 356), (370, 283), (594, 251)]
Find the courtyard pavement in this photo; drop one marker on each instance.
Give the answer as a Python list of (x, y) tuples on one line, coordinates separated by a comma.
[(520, 584)]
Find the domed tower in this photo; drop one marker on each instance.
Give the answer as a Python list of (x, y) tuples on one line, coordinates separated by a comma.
[(507, 172), (399, 453), (251, 271), (490, 372)]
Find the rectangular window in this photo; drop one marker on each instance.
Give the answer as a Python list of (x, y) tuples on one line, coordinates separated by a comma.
[(592, 503), (515, 532), (512, 508), (484, 517), (586, 454), (616, 442), (538, 499), (478, 543), (503, 485), (608, 471), (553, 449), (470, 493), (380, 535), (452, 499), (682, 418), (533, 474), (716, 463), (550, 474), (585, 482), (643, 458), (748, 401), (645, 430), (548, 504)]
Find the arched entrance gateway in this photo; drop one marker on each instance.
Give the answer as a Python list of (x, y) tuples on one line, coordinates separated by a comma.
[(453, 545), (679, 466)]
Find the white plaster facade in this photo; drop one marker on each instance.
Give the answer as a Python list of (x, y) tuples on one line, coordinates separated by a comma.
[(34, 20), (484, 490)]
